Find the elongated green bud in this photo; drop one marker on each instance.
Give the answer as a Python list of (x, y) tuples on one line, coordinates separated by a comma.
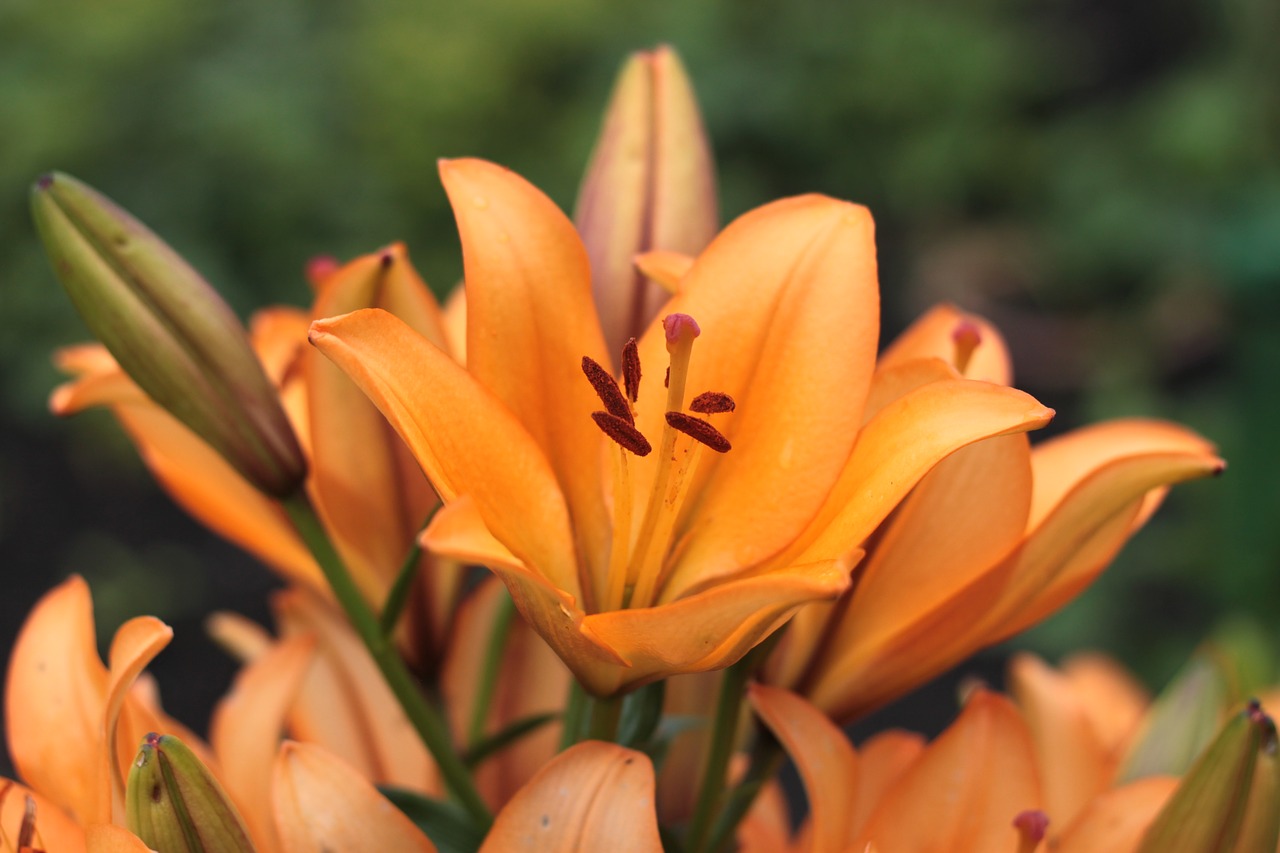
[(1212, 810), (168, 329), (175, 805), (1181, 722)]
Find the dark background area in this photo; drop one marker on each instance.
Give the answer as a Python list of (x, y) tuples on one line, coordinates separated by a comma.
[(1100, 178)]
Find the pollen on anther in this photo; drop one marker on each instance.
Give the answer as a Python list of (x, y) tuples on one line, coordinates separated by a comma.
[(631, 369), (607, 390), (712, 403), (622, 432), (699, 430)]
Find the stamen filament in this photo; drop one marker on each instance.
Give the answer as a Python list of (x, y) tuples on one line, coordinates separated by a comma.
[(616, 580), (650, 573)]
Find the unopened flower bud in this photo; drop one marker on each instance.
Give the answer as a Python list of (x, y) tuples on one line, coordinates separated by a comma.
[(175, 805), (1212, 809), (168, 329), (1183, 719), (650, 186)]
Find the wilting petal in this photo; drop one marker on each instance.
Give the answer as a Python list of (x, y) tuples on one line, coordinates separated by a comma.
[(771, 295), (344, 703), (593, 796), (362, 480), (1116, 820), (939, 333), (965, 790), (531, 680), (827, 762), (1078, 765), (54, 831), (530, 321), (246, 727), (903, 442), (463, 438), (322, 804), (708, 630), (1075, 530), (54, 697)]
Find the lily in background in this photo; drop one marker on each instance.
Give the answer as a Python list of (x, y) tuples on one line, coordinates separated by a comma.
[(995, 538)]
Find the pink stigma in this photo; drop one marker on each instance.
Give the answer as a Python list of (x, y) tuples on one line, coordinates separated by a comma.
[(1033, 824), (678, 325)]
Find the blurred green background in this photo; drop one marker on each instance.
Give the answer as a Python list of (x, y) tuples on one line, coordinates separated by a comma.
[(1100, 178)]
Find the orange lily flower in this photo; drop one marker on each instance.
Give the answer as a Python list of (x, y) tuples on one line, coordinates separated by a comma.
[(368, 490), (991, 541), (633, 565), (980, 786)]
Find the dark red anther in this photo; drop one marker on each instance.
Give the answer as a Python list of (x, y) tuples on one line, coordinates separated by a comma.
[(27, 831), (622, 432), (712, 403), (631, 369), (699, 430), (607, 390), (666, 380)]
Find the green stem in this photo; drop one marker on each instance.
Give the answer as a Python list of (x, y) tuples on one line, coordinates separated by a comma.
[(574, 711), (398, 595), (733, 686), (605, 714), (425, 719), (766, 758), (492, 666)]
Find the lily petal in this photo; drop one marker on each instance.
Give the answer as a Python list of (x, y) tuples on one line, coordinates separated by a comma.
[(934, 335), (771, 294), (246, 727), (530, 321), (464, 439), (711, 629), (54, 831), (135, 645), (362, 480), (321, 804), (108, 838), (903, 442), (1071, 542), (1117, 820), (54, 697), (343, 703), (593, 796), (1066, 742), (972, 781), (881, 763), (664, 268), (827, 762)]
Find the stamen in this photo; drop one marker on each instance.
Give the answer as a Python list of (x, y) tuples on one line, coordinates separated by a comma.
[(27, 833), (712, 402), (1032, 826), (966, 336), (607, 390), (666, 380), (631, 369), (622, 432), (699, 430)]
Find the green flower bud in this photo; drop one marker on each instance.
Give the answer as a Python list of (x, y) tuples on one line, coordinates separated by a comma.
[(168, 329), (175, 805), (1183, 719), (1215, 809)]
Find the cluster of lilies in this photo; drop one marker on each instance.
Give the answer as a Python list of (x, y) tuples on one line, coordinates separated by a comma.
[(716, 522)]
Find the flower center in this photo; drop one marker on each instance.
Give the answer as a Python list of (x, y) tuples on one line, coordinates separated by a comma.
[(636, 570)]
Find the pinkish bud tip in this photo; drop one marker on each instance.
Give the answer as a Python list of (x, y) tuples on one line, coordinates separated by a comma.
[(679, 325), (1033, 824), (45, 181)]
